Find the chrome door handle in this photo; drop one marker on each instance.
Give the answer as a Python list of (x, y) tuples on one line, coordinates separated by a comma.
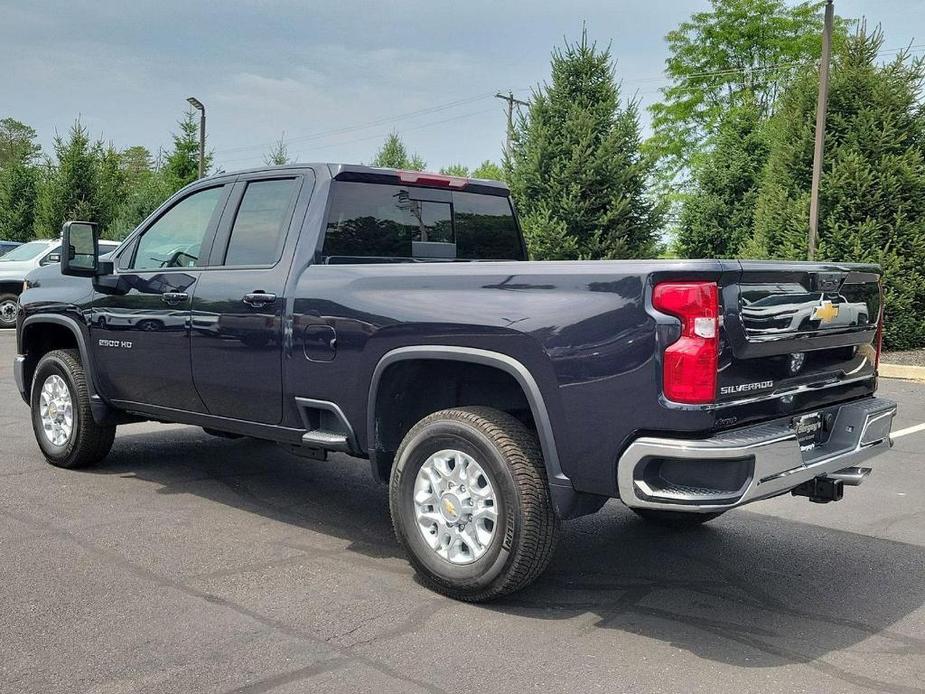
[(258, 299), (174, 297)]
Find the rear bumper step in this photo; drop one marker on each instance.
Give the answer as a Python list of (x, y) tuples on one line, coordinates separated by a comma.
[(744, 465)]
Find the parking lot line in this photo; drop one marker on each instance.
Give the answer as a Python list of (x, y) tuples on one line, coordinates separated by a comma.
[(908, 430)]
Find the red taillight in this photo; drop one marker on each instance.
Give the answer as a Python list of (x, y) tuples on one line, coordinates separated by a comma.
[(690, 363), (429, 179)]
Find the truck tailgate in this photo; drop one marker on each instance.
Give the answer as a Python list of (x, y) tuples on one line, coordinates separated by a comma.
[(796, 327)]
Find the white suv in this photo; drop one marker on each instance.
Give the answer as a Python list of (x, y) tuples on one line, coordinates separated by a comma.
[(15, 265)]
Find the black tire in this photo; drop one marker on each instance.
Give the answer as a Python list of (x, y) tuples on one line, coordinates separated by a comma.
[(88, 442), (9, 307), (676, 519), (527, 526)]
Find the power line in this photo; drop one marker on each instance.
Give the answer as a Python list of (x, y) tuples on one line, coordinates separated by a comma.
[(511, 101), (379, 136), (365, 125)]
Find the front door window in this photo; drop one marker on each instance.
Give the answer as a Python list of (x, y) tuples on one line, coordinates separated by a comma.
[(175, 240)]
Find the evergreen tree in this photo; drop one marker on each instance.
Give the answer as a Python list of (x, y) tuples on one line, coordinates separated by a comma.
[(455, 170), (69, 189), (18, 191), (18, 180), (182, 165), (137, 163), (717, 217), (17, 143), (111, 185), (279, 155), (575, 167), (394, 155), (488, 170), (872, 191)]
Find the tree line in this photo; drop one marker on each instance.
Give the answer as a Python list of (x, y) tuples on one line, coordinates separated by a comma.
[(725, 173), (86, 178)]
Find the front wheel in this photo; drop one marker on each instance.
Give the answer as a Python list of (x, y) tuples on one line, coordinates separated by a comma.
[(9, 306), (470, 503), (64, 427)]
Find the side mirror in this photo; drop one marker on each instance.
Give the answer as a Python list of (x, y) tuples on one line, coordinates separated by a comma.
[(79, 249), (51, 259)]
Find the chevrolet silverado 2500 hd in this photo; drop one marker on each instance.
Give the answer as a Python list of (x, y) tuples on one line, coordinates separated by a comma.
[(394, 316)]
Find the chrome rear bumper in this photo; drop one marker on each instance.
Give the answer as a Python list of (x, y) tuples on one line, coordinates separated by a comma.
[(768, 459)]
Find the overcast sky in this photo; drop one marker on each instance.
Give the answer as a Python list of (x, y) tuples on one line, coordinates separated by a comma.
[(336, 76)]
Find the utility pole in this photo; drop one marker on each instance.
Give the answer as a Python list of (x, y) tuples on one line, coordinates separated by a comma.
[(821, 107), (198, 105), (509, 98)]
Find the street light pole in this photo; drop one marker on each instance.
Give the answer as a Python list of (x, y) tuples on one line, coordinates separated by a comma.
[(198, 105), (821, 107)]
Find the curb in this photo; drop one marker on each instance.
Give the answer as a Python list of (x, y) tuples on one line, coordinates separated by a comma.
[(910, 373)]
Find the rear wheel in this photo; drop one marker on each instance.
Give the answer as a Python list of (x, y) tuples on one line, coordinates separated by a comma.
[(9, 306), (675, 519), (64, 427), (470, 503)]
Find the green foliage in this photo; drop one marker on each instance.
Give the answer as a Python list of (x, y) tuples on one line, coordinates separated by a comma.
[(145, 188), (17, 143), (738, 51), (394, 155), (69, 190), (279, 154), (575, 167), (18, 192), (488, 170), (717, 216), (18, 180), (182, 165), (872, 191), (455, 170), (137, 163)]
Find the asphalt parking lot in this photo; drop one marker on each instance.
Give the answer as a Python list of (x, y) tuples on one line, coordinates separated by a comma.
[(188, 563)]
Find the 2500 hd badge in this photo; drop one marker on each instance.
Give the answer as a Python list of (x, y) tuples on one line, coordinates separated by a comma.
[(118, 344)]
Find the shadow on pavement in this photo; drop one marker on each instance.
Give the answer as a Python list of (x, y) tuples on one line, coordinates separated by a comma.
[(747, 589)]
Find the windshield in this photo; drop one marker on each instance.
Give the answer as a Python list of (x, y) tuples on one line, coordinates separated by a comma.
[(27, 251)]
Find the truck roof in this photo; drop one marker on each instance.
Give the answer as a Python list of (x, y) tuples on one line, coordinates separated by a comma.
[(375, 174)]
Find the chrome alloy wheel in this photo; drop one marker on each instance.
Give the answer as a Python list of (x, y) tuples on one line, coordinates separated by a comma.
[(56, 410), (8, 311), (455, 506)]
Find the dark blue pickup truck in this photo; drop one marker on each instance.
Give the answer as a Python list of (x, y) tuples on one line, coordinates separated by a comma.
[(394, 316)]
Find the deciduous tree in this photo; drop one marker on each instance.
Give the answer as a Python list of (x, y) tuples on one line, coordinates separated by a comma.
[(738, 51)]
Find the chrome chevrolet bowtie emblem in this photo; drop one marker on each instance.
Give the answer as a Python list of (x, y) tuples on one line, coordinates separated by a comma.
[(825, 312)]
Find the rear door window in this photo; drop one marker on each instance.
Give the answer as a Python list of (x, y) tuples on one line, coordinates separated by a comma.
[(260, 226)]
